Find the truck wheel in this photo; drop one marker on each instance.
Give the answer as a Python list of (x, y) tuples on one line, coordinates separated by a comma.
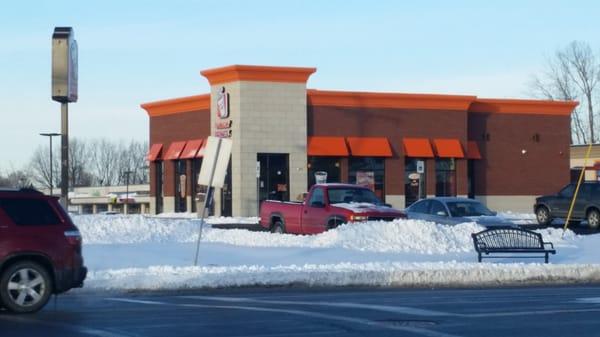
[(25, 287), (543, 216), (278, 228)]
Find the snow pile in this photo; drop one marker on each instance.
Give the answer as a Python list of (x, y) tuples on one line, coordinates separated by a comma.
[(448, 274), (519, 218)]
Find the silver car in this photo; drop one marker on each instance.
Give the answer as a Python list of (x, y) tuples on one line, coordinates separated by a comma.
[(452, 211)]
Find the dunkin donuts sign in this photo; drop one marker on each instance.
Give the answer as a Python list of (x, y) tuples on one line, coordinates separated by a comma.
[(223, 125)]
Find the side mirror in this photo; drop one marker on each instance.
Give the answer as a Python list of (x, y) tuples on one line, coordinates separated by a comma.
[(317, 204), (441, 213)]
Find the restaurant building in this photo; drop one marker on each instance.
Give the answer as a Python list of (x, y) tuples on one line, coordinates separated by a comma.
[(504, 152)]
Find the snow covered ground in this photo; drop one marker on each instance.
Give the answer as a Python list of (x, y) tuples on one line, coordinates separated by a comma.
[(141, 252)]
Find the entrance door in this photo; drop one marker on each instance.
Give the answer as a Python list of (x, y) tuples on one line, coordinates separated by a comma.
[(226, 194), (158, 183), (273, 183)]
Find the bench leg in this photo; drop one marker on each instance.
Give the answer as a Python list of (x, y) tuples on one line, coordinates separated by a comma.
[(546, 257), (479, 257)]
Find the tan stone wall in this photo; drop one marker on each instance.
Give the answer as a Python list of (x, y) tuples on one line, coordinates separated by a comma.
[(273, 116)]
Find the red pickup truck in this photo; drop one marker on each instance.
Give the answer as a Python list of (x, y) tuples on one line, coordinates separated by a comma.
[(326, 206)]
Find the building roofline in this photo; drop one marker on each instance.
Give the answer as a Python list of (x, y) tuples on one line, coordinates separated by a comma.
[(523, 106), (239, 72), (177, 105)]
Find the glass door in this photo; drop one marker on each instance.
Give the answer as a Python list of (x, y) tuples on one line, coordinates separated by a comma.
[(273, 180)]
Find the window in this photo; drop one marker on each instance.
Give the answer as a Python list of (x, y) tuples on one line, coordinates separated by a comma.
[(468, 208), (568, 191), (420, 206), (445, 178), (29, 212), (331, 165), (414, 183), (180, 185), (349, 195), (317, 197), (368, 172), (437, 207)]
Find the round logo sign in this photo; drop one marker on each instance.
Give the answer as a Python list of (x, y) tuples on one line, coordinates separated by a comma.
[(414, 176)]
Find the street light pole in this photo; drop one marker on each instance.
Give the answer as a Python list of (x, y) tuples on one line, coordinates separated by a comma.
[(127, 173), (50, 135)]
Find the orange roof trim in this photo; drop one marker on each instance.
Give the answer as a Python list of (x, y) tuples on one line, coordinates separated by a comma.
[(370, 147), (177, 105), (154, 152), (417, 148), (388, 100), (523, 106), (174, 151), (191, 149), (327, 146), (448, 148), (473, 150), (257, 73)]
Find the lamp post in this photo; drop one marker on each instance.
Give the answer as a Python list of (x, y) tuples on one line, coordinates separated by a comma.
[(50, 135), (127, 173)]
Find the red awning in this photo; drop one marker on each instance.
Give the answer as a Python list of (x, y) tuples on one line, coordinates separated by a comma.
[(327, 146), (448, 148), (417, 147), (175, 150), (202, 148), (369, 146), (473, 150), (191, 148), (154, 153)]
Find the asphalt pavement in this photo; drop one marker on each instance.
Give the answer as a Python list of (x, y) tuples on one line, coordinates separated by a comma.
[(270, 312)]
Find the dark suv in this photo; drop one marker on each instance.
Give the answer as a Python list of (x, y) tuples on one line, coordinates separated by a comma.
[(587, 205), (40, 250)]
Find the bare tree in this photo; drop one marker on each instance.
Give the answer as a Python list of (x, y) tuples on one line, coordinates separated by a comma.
[(573, 74), (15, 179)]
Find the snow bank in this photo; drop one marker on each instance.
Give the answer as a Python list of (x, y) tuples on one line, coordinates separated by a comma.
[(344, 274)]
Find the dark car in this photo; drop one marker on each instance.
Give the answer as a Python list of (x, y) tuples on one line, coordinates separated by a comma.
[(40, 250), (452, 211), (586, 207)]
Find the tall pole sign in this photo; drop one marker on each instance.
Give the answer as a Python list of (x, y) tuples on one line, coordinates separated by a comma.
[(64, 90)]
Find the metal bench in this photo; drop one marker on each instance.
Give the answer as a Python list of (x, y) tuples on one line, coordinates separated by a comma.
[(512, 241)]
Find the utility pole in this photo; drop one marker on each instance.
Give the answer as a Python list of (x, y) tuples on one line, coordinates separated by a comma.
[(126, 207), (50, 135)]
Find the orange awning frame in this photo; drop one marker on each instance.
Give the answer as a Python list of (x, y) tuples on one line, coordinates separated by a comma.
[(448, 148), (473, 150), (154, 152), (191, 149), (369, 147), (417, 148), (327, 146), (174, 151)]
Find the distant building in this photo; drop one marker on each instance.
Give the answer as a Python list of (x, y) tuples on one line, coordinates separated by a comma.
[(592, 172), (92, 200)]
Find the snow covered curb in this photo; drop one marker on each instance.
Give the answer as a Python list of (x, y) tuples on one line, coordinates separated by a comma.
[(386, 274)]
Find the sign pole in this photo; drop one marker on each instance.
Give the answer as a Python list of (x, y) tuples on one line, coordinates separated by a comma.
[(209, 196), (64, 170)]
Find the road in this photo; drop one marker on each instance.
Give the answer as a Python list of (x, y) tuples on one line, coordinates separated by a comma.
[(271, 312)]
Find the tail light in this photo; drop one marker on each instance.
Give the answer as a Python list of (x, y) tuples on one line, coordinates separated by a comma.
[(73, 237)]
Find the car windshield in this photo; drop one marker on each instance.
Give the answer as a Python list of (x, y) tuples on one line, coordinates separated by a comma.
[(351, 194), (467, 208)]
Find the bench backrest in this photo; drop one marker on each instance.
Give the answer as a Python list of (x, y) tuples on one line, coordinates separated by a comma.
[(503, 238)]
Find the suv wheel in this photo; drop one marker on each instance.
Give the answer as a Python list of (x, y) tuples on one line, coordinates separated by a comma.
[(543, 216), (593, 218), (25, 287)]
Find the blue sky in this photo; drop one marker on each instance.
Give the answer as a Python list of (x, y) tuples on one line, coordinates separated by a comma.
[(132, 52)]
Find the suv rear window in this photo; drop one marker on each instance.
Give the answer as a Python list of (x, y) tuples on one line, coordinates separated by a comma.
[(29, 212)]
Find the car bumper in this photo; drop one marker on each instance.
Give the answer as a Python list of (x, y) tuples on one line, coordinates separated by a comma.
[(70, 278)]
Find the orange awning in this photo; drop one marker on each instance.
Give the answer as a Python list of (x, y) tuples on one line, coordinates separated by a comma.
[(191, 148), (154, 152), (202, 148), (327, 146), (417, 147), (175, 150), (448, 148), (369, 146), (473, 150)]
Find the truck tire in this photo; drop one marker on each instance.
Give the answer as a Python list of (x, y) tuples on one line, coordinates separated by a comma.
[(278, 228)]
